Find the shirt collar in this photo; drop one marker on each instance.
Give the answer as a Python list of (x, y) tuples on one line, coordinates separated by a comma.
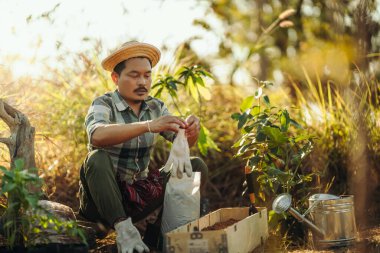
[(122, 105)]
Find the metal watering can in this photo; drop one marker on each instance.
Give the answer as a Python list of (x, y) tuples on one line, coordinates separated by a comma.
[(334, 219)]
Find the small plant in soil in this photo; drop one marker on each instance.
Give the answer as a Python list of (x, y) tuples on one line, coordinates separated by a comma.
[(274, 146)]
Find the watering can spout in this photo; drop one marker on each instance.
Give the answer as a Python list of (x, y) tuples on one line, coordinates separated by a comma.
[(302, 218), (283, 203)]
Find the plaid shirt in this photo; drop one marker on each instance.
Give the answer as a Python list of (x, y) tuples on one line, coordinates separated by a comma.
[(131, 156)]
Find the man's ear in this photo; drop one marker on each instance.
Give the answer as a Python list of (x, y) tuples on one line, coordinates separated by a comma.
[(115, 77)]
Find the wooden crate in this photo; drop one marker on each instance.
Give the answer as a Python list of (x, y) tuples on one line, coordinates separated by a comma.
[(243, 236)]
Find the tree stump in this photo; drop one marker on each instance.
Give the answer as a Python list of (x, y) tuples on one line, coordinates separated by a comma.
[(21, 140)]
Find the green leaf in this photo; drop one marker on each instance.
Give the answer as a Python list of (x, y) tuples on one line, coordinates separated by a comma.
[(247, 103), (285, 120), (202, 141), (242, 120), (181, 72), (240, 142), (32, 200), (82, 236), (19, 164), (255, 110), (248, 129), (8, 173), (158, 93), (302, 138), (254, 161), (235, 116), (7, 187), (260, 137), (278, 174), (275, 135), (243, 149), (295, 123), (193, 89), (172, 85), (205, 142), (205, 72), (199, 81), (274, 219), (266, 100)]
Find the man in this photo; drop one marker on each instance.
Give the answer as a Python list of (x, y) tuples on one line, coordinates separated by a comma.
[(115, 185)]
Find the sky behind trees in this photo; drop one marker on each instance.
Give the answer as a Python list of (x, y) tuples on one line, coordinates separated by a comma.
[(35, 31)]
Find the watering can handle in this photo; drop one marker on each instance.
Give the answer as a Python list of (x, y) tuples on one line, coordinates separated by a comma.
[(311, 207)]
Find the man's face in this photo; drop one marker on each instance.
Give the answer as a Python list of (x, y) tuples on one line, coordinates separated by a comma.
[(135, 80)]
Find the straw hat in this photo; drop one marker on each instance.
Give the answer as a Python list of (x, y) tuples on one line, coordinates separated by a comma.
[(130, 50)]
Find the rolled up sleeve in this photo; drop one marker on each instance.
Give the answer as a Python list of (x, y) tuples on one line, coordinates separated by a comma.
[(99, 114)]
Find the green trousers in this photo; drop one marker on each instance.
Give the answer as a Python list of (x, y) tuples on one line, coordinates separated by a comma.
[(99, 194)]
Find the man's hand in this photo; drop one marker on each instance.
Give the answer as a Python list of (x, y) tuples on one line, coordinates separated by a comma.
[(193, 126), (192, 129), (128, 238), (167, 123)]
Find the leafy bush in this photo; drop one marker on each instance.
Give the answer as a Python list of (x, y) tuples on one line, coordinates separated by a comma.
[(24, 218), (274, 145)]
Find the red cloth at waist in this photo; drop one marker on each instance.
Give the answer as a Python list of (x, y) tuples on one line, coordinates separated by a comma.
[(142, 191)]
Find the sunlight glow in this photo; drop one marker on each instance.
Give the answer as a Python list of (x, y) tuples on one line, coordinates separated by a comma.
[(31, 32)]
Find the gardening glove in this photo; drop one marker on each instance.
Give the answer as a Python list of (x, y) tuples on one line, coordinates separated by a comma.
[(179, 158), (128, 238)]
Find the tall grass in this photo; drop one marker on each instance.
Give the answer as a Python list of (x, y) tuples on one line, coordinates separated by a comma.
[(345, 119), (325, 112)]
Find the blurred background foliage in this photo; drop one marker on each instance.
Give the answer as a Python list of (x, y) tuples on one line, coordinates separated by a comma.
[(322, 56)]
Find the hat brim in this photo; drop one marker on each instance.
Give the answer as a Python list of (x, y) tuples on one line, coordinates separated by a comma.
[(132, 51)]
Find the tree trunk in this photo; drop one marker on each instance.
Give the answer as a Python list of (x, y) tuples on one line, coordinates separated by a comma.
[(264, 61), (21, 140), (21, 146)]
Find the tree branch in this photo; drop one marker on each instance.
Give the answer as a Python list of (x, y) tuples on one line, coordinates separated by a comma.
[(8, 114), (6, 141)]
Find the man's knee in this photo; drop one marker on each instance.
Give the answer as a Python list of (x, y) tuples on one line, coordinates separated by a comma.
[(98, 161)]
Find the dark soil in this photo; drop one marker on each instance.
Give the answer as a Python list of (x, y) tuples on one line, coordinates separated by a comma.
[(220, 225)]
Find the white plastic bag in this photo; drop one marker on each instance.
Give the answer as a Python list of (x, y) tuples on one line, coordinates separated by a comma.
[(181, 201)]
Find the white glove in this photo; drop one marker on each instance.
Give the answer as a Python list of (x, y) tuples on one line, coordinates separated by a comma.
[(179, 158), (128, 238)]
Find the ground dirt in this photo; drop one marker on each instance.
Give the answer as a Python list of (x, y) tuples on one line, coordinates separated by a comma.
[(65, 189), (368, 242)]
